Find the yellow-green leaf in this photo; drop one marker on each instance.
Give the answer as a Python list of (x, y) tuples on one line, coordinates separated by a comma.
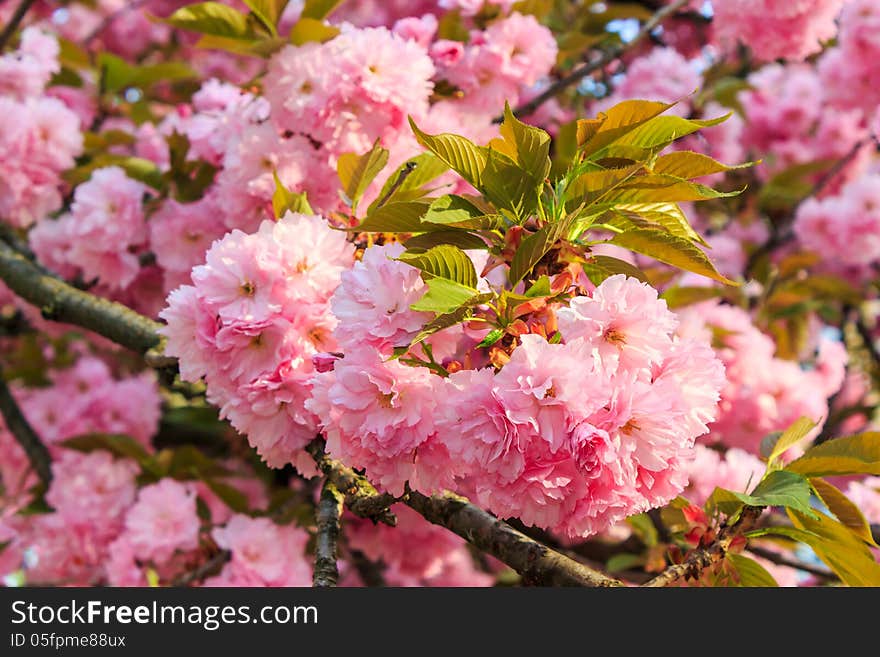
[(529, 146), (600, 267), (319, 9), (845, 553), (844, 509), (457, 211), (212, 18), (678, 297), (444, 296), (397, 217), (687, 164), (616, 121), (356, 172), (283, 200), (444, 261), (749, 572), (462, 155), (858, 454), (268, 12), (408, 181), (796, 432), (670, 249), (306, 30)]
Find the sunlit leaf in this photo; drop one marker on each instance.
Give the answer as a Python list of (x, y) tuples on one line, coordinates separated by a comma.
[(356, 172), (749, 572), (858, 454), (844, 509), (795, 432), (444, 261)]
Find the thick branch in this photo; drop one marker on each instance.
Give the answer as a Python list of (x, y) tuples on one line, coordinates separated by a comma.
[(14, 22), (361, 497), (62, 302), (328, 512), (24, 433), (537, 563), (582, 71), (704, 557)]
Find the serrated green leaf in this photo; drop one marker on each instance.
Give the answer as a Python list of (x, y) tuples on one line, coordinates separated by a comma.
[(319, 9), (462, 155), (843, 509), (796, 432), (411, 177), (670, 249), (858, 454), (528, 146), (356, 172), (610, 125), (591, 186), (781, 488), (444, 296), (308, 30), (841, 550), (443, 261), (666, 216), (661, 188), (749, 572), (726, 501), (456, 211), (460, 238), (397, 217), (212, 18), (508, 186), (655, 134)]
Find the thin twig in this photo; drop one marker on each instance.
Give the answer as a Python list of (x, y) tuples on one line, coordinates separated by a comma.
[(24, 434), (211, 567), (587, 68), (403, 175), (328, 512), (704, 557), (14, 22)]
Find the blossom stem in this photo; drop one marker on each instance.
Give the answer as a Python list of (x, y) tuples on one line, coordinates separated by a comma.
[(585, 69), (14, 22), (24, 433), (704, 557), (328, 513)]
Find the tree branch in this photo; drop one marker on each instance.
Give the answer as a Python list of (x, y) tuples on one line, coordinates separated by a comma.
[(14, 22), (537, 563), (211, 567), (361, 497), (61, 302), (704, 557), (328, 512), (24, 434), (582, 71)]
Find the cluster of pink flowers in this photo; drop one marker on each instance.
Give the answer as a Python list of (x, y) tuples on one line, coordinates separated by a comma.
[(39, 135), (763, 393), (846, 224), (256, 314), (498, 63), (773, 29), (103, 233)]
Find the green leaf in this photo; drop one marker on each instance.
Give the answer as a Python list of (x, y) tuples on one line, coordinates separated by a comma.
[(616, 121), (726, 501), (307, 30), (844, 509), (750, 573), (687, 164), (670, 249), (460, 238), (619, 562), (462, 155), (800, 535), (445, 296), (661, 188), (444, 261), (655, 134), (212, 18), (397, 217), (284, 200), (491, 338), (598, 268), (457, 211), (527, 145), (356, 172), (117, 74), (796, 432), (319, 9), (591, 186), (655, 216), (268, 12), (678, 297), (255, 47), (508, 186), (535, 247), (781, 488), (845, 553), (410, 178), (858, 454)]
